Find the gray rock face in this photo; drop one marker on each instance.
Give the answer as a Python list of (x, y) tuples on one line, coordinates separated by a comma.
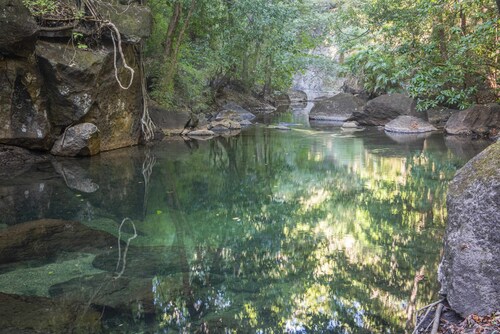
[(79, 140), (338, 108), (18, 28), (439, 116), (23, 117), (409, 124), (469, 272), (381, 110), (479, 120), (134, 22), (234, 112)]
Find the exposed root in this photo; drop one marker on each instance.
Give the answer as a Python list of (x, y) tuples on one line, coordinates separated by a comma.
[(114, 31)]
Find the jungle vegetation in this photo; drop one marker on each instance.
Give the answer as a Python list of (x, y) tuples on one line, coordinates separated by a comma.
[(442, 52)]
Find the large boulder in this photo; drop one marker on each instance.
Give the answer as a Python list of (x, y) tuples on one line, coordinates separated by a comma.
[(409, 124), (338, 108), (78, 140), (18, 28), (381, 110), (438, 116), (234, 112), (168, 121), (81, 87), (23, 117), (478, 120), (469, 272)]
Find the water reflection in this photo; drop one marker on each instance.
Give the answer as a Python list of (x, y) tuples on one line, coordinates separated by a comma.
[(310, 230)]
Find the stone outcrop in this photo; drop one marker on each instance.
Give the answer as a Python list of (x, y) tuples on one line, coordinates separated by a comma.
[(50, 84), (381, 110), (479, 120), (79, 140), (409, 124), (338, 108), (469, 272)]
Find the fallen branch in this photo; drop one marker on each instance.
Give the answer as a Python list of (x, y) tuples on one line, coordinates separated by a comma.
[(437, 318)]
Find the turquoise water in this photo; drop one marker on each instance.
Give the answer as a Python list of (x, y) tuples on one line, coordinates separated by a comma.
[(311, 230)]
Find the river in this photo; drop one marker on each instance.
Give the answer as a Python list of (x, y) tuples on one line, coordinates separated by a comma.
[(311, 230)]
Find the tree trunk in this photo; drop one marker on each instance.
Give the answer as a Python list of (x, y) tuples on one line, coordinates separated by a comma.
[(178, 42)]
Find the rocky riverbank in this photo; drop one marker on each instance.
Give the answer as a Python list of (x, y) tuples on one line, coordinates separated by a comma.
[(60, 96)]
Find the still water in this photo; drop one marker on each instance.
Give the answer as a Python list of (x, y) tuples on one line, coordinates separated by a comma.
[(312, 230)]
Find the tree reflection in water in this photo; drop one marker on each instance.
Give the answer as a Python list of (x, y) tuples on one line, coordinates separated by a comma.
[(316, 233)]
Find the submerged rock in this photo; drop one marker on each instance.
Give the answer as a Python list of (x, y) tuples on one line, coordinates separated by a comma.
[(409, 124), (28, 314), (79, 140), (338, 108), (43, 238), (479, 120), (381, 110), (469, 272), (107, 292)]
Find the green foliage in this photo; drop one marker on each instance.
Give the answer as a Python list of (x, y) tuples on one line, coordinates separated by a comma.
[(78, 39), (260, 44), (41, 7), (442, 52)]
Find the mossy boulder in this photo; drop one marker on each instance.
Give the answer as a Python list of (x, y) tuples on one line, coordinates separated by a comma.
[(469, 272)]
